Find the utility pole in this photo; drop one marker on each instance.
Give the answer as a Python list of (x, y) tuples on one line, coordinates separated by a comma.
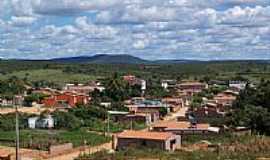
[(17, 102), (108, 127), (17, 134)]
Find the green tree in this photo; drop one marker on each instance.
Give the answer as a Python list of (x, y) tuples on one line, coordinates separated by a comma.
[(65, 120)]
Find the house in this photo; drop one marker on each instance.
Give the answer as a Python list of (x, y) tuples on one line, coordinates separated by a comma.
[(83, 88), (167, 84), (150, 107), (37, 122), (240, 131), (218, 83), (137, 117), (66, 99), (145, 139), (184, 128), (79, 88), (5, 102), (191, 88), (225, 98), (133, 80), (175, 103), (240, 85), (106, 104), (208, 110)]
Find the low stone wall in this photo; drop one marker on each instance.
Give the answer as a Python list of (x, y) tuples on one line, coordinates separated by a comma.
[(58, 149)]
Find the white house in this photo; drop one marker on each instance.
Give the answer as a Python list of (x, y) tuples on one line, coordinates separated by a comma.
[(37, 122), (238, 84)]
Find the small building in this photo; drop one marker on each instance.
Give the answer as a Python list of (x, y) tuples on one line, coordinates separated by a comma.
[(66, 99), (184, 128), (192, 87), (106, 104), (167, 84), (133, 80), (84, 88), (240, 85), (37, 122), (140, 139), (138, 117), (225, 99), (150, 107), (240, 131), (209, 110), (5, 102), (174, 103)]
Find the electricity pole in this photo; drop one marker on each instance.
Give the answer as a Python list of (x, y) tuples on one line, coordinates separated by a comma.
[(17, 134), (108, 127), (17, 102)]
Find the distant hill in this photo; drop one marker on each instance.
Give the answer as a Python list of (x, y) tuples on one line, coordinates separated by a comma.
[(128, 59), (103, 59)]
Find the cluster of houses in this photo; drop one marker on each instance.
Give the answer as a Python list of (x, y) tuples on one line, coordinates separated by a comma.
[(168, 135), (164, 135)]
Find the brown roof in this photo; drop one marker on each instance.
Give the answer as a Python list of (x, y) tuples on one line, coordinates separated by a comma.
[(4, 153), (145, 135), (181, 125)]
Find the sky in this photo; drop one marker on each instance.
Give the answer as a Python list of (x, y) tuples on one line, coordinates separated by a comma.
[(149, 29)]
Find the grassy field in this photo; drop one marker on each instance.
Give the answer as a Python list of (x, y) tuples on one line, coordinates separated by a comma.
[(51, 75), (40, 139)]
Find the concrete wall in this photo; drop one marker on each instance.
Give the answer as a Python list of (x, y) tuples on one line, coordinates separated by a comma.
[(124, 143), (169, 145), (57, 149)]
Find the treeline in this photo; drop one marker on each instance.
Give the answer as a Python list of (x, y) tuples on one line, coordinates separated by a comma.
[(252, 108), (219, 69)]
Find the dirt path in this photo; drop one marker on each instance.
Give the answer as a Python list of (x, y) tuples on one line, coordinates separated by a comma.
[(87, 150), (27, 154), (179, 113)]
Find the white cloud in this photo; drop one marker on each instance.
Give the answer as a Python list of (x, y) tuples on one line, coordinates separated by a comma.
[(22, 21), (141, 44), (93, 30), (59, 7), (157, 28), (22, 7), (256, 16)]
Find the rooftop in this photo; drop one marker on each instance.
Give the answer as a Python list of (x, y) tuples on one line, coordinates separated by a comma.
[(181, 125), (4, 153), (145, 135), (191, 83)]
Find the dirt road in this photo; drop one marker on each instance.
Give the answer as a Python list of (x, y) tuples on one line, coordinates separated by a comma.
[(87, 150), (179, 113)]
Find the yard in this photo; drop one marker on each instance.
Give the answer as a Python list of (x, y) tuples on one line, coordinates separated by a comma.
[(41, 139)]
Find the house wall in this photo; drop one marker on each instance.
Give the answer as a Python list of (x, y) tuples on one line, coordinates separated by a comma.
[(168, 145), (182, 131), (58, 149), (124, 143)]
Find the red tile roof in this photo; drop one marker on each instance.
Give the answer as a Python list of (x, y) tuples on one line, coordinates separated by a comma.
[(145, 135)]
